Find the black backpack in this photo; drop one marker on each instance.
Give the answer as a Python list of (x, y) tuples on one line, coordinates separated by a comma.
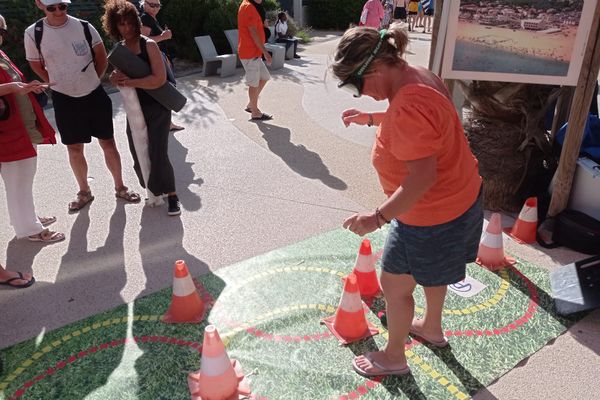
[(38, 32), (575, 230)]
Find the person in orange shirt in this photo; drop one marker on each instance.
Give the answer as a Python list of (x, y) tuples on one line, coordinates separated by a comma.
[(431, 180), (251, 49)]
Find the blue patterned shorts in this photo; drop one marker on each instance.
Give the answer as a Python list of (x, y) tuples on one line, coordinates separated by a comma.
[(434, 255)]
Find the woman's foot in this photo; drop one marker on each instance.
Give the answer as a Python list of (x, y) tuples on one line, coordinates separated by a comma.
[(47, 236), (84, 197), (174, 206), (17, 280), (434, 337), (379, 364)]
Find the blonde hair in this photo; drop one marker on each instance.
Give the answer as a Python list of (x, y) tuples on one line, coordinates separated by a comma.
[(358, 43), (2, 22)]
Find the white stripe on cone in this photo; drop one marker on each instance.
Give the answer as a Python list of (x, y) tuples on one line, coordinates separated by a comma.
[(364, 263), (491, 240), (183, 286), (351, 302), (215, 366), (528, 214)]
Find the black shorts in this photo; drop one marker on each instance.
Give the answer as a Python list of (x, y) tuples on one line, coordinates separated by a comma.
[(429, 12), (78, 119), (412, 13), (400, 13)]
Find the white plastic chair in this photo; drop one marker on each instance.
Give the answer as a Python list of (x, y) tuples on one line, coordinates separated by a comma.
[(212, 61)]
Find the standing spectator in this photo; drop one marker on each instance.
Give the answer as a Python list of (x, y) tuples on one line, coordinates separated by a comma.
[(81, 106), (428, 8), (122, 23), (152, 29), (372, 14), (23, 126), (251, 49), (413, 12), (282, 36), (432, 182), (388, 13), (400, 10)]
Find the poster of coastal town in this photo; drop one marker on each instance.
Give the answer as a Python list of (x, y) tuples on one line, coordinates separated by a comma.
[(531, 41)]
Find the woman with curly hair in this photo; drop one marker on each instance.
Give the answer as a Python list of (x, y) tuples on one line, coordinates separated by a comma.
[(122, 23), (431, 178)]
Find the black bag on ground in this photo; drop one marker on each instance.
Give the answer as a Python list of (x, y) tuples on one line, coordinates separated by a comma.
[(575, 230)]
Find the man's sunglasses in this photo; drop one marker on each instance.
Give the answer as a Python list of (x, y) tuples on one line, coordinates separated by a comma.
[(154, 5), (54, 7), (355, 82)]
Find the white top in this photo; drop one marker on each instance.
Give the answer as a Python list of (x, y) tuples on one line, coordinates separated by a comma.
[(281, 28), (65, 53)]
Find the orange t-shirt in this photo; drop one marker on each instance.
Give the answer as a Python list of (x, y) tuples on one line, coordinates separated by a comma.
[(247, 17), (421, 122)]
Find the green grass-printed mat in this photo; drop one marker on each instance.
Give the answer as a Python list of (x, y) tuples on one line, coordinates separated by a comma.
[(268, 310)]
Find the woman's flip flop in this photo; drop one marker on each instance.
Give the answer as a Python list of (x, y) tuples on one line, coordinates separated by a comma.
[(380, 370)]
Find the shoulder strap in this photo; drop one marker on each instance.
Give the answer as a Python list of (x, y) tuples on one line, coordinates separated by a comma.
[(88, 37), (38, 32)]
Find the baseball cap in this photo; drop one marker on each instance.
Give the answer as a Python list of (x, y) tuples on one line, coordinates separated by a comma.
[(52, 2)]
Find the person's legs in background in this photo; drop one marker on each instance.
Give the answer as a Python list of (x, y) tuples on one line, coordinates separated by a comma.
[(18, 182)]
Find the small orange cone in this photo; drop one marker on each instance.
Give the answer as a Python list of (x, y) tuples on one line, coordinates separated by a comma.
[(218, 378), (349, 323), (186, 305), (525, 228), (364, 269), (491, 248)]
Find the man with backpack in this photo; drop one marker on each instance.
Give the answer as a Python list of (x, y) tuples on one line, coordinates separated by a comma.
[(69, 53)]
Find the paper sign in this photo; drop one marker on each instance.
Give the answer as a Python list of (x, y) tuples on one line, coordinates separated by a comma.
[(468, 287)]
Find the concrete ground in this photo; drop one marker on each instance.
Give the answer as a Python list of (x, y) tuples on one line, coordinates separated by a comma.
[(246, 188)]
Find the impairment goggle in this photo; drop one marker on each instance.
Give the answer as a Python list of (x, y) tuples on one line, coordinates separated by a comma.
[(54, 7), (354, 83)]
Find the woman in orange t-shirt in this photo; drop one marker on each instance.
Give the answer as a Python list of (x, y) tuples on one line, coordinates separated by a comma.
[(431, 178)]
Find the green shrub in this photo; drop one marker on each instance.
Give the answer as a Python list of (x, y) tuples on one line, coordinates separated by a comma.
[(202, 17), (186, 18), (334, 14)]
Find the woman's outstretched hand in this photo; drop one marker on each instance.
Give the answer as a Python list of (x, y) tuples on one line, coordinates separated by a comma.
[(354, 116), (361, 223)]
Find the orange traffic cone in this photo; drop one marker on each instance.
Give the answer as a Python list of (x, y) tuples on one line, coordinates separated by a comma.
[(186, 305), (364, 269), (218, 378), (491, 248), (525, 228), (349, 323)]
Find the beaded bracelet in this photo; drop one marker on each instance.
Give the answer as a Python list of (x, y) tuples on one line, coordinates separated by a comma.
[(378, 214)]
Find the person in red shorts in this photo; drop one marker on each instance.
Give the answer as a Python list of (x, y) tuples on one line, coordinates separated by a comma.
[(251, 49), (431, 180)]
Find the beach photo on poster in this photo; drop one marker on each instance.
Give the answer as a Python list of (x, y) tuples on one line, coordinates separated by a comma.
[(532, 41)]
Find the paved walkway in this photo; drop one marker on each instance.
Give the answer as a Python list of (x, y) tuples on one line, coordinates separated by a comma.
[(246, 188)]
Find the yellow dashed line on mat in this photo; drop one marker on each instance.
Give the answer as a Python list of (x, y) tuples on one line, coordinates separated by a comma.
[(227, 336), (115, 321), (492, 301), (268, 273), (59, 342), (414, 359)]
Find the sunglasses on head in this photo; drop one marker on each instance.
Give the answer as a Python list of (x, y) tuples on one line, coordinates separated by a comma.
[(54, 7), (154, 5), (355, 82)]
